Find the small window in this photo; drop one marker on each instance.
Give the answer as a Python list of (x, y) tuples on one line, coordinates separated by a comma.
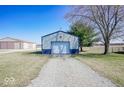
[(60, 36)]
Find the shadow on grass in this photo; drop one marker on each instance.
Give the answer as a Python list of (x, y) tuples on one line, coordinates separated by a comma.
[(110, 56), (97, 55), (33, 53), (121, 52), (90, 55)]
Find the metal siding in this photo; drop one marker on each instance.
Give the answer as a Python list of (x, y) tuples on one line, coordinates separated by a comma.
[(74, 51), (46, 41), (7, 45), (11, 45), (28, 45), (17, 45), (61, 43), (3, 45), (7, 40), (46, 51)]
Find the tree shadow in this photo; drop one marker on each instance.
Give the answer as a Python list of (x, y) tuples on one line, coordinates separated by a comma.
[(35, 52), (90, 55), (83, 51), (121, 52)]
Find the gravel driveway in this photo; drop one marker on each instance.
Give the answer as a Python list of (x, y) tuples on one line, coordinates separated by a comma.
[(68, 72)]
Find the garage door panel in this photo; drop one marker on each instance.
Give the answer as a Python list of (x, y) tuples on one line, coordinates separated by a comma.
[(3, 45), (60, 47), (6, 45), (10, 45)]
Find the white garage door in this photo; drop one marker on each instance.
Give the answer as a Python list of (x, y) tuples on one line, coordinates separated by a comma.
[(60, 47)]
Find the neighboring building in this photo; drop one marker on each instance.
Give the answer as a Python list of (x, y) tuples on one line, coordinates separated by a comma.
[(111, 44), (11, 43), (60, 43), (38, 46)]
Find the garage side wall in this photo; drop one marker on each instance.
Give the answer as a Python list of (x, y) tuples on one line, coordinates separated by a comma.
[(60, 36), (10, 45), (29, 45)]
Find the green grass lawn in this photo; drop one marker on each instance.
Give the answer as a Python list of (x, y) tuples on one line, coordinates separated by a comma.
[(111, 65), (18, 69)]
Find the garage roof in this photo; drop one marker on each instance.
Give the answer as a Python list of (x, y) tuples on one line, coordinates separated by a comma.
[(58, 32), (9, 39)]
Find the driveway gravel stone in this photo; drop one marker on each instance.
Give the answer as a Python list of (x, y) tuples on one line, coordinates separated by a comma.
[(69, 72)]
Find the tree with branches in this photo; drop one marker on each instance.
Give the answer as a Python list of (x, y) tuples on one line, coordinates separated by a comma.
[(87, 35), (106, 19)]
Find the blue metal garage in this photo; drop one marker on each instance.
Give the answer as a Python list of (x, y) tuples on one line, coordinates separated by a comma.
[(60, 42)]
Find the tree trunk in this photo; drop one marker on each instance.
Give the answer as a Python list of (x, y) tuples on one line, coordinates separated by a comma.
[(106, 48), (81, 48)]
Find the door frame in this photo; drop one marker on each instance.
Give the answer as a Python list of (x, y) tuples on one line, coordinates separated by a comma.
[(60, 42)]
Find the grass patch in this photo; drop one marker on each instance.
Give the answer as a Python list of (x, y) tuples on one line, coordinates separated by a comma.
[(18, 69), (111, 65)]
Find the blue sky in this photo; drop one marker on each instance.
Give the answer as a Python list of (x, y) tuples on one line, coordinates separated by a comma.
[(32, 22)]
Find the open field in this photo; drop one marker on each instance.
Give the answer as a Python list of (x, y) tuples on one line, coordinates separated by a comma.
[(18, 69), (5, 51), (100, 49), (111, 65)]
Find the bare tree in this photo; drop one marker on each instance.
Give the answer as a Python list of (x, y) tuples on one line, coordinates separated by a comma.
[(108, 20)]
